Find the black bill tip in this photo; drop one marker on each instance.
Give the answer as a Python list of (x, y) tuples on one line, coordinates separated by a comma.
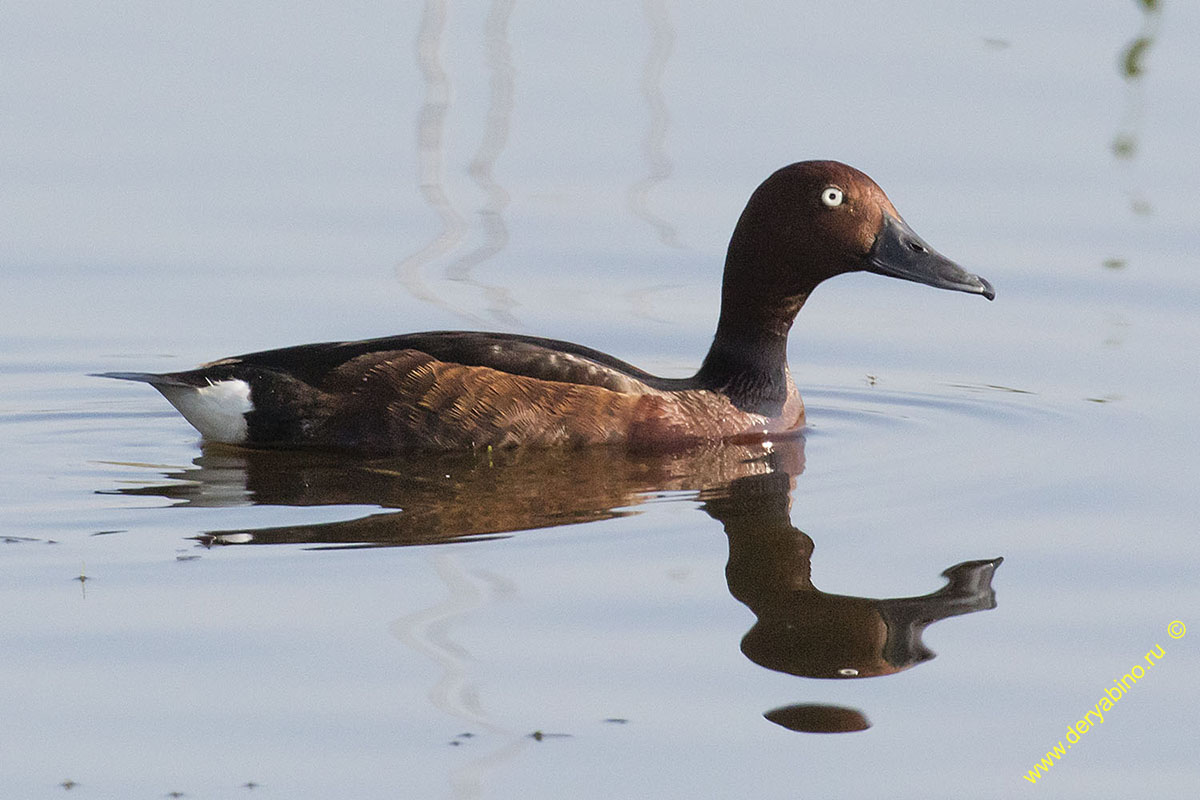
[(900, 253)]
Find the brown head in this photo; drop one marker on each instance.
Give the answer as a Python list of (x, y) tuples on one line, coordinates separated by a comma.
[(810, 221)]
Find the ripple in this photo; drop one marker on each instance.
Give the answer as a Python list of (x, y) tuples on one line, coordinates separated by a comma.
[(842, 409), (914, 447)]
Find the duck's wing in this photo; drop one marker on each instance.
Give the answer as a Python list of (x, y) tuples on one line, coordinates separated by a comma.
[(526, 356)]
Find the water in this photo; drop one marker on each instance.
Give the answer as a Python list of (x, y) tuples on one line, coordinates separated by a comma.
[(180, 184)]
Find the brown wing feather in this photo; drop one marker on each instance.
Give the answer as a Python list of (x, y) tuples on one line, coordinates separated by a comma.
[(408, 399)]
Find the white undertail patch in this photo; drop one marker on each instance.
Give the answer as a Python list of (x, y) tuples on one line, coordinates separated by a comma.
[(218, 410)]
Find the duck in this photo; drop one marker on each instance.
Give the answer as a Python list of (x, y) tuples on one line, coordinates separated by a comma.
[(461, 390)]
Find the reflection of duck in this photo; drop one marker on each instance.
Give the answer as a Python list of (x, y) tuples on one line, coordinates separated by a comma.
[(801, 630), (457, 390), (747, 487), (448, 496)]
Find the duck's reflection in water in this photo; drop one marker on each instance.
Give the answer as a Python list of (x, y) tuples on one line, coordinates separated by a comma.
[(803, 631), (799, 630), (451, 497)]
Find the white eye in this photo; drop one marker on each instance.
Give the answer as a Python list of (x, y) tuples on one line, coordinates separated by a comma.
[(831, 196)]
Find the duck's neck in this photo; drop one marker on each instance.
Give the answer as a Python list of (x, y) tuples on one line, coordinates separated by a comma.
[(765, 284), (748, 358)]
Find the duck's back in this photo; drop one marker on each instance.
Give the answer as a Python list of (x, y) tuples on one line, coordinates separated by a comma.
[(527, 356)]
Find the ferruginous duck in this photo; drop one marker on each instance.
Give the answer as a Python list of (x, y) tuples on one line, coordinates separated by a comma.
[(451, 390)]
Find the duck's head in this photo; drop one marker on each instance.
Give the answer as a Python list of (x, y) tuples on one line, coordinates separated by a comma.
[(815, 219)]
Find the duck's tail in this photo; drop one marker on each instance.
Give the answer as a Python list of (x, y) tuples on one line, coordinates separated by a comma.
[(215, 408)]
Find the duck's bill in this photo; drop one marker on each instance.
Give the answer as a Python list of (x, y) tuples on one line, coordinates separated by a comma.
[(900, 253)]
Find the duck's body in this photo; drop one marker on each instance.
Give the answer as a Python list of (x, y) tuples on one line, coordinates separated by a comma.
[(449, 390), (454, 390)]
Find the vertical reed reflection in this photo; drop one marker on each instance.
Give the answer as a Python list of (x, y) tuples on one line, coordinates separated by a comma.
[(495, 134), (430, 149), (662, 40), (430, 128), (1131, 65), (428, 632)]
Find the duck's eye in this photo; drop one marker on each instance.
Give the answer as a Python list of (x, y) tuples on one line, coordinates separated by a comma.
[(831, 196)]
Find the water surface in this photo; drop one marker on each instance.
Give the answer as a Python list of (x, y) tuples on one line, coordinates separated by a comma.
[(180, 184)]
